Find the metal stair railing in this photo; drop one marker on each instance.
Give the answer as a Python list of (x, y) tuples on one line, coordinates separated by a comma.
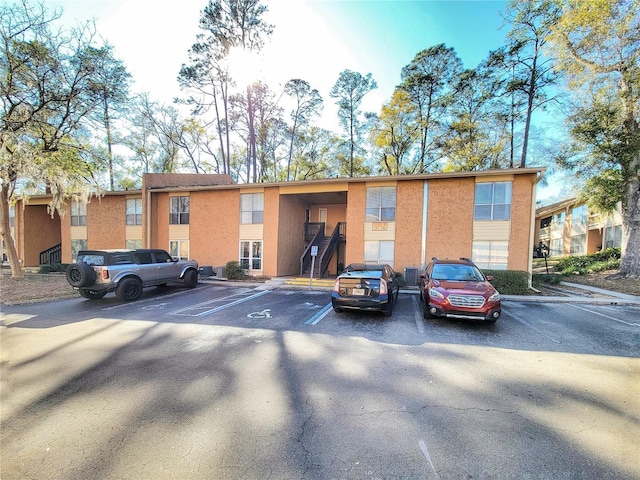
[(330, 249), (305, 259), (51, 255)]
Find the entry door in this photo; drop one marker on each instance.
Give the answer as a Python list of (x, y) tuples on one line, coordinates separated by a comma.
[(322, 217)]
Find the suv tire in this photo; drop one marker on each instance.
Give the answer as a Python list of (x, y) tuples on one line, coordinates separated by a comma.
[(191, 279), (92, 294), (80, 274), (129, 289)]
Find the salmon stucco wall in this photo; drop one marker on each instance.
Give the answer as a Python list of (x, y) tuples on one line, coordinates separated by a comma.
[(39, 231), (214, 219), (160, 221), (290, 235), (450, 218), (270, 232), (106, 222), (65, 233), (355, 223), (520, 248), (408, 242)]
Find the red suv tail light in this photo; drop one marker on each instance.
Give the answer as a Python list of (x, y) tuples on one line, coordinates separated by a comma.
[(105, 274)]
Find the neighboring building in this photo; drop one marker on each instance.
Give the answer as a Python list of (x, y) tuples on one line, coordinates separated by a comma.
[(570, 228), (270, 227)]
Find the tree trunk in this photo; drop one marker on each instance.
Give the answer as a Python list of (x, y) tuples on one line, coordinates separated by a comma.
[(630, 259), (5, 233)]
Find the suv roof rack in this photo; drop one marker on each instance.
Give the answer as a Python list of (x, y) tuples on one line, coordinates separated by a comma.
[(468, 260)]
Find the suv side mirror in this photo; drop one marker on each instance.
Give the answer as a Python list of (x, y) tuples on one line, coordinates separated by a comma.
[(490, 278)]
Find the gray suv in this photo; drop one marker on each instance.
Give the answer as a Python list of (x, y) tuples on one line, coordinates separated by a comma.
[(127, 272)]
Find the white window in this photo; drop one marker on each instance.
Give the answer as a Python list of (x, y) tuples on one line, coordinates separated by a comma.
[(179, 210), (556, 249), (252, 208), (251, 254), (179, 249), (379, 251), (491, 254), (134, 211), (578, 244), (76, 246), (381, 204), (492, 201), (579, 215), (133, 244), (613, 236), (78, 213)]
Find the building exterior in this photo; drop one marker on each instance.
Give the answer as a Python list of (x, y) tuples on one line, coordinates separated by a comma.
[(570, 228), (271, 228)]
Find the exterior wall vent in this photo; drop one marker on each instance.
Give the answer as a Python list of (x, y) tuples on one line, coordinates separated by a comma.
[(411, 276)]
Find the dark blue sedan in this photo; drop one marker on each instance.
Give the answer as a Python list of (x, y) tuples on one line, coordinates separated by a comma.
[(366, 287)]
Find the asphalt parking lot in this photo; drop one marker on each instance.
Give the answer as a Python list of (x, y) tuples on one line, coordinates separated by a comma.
[(238, 382)]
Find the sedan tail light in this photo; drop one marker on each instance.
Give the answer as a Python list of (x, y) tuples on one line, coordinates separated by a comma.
[(336, 286), (383, 287)]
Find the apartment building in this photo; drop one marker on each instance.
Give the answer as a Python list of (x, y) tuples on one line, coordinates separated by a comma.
[(271, 228), (569, 227)]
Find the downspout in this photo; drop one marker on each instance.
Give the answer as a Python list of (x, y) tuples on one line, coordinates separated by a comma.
[(425, 209), (147, 214), (532, 232)]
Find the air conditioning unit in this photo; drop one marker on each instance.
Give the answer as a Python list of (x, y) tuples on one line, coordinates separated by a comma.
[(411, 276)]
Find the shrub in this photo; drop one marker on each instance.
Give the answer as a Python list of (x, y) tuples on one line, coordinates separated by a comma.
[(509, 282), (233, 271), (53, 268), (547, 278), (608, 259)]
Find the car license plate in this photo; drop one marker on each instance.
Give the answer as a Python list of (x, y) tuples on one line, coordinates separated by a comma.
[(357, 291)]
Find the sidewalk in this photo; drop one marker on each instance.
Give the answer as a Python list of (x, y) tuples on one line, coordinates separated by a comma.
[(572, 293)]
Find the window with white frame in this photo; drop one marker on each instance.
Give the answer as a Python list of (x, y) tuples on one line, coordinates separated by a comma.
[(613, 236), (379, 251), (579, 215), (556, 248), (133, 244), (492, 201), (134, 211), (76, 246), (381, 204), (251, 254), (179, 249), (179, 210), (578, 244), (252, 208), (491, 254), (78, 213)]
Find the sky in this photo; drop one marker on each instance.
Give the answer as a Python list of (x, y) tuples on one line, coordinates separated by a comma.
[(313, 40)]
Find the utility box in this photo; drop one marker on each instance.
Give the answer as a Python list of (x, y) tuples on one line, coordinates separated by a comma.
[(220, 272), (206, 271), (411, 276)]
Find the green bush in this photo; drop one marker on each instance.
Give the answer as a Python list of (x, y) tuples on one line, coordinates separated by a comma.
[(547, 278), (233, 271), (608, 259), (53, 268), (509, 282)]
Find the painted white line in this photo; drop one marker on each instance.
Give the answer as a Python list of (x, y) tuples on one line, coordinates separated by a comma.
[(541, 332), (233, 304), (320, 315), (417, 315), (605, 316), (425, 451)]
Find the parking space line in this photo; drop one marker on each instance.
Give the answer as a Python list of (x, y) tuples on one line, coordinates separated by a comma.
[(605, 316), (232, 304), (319, 315), (417, 315)]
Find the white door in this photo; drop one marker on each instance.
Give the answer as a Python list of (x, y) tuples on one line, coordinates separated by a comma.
[(322, 217)]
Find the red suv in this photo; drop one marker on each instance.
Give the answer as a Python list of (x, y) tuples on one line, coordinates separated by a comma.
[(458, 289)]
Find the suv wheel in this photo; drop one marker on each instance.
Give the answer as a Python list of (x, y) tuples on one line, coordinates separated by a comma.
[(80, 274), (129, 289), (92, 294), (191, 279)]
